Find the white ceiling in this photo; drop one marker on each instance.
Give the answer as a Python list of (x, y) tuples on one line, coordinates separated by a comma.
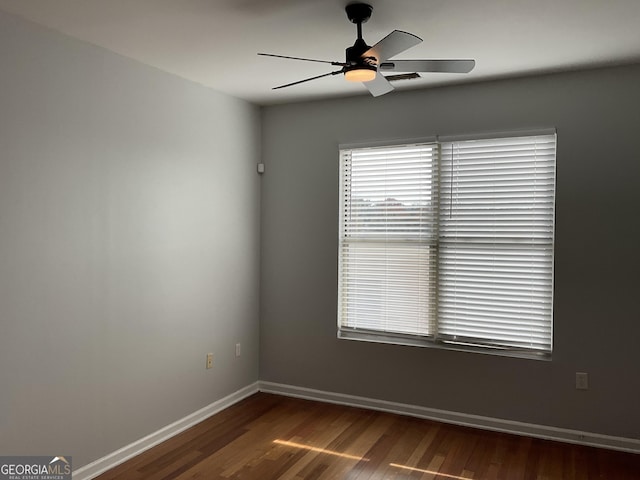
[(214, 42)]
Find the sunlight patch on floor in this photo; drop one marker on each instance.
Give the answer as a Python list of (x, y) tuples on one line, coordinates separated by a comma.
[(440, 474), (319, 450)]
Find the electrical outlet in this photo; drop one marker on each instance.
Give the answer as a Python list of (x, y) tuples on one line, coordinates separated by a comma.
[(582, 381), (209, 360), (238, 349)]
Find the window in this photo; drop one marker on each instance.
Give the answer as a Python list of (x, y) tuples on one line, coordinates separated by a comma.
[(450, 243)]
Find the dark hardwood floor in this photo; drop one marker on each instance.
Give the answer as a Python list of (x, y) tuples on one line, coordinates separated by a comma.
[(273, 437)]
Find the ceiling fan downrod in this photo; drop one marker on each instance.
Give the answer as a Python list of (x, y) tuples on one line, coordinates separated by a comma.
[(359, 13)]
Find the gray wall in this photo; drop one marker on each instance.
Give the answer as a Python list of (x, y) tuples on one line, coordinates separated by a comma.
[(129, 246), (597, 260)]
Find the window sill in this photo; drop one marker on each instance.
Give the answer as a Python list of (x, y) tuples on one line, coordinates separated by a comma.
[(402, 340)]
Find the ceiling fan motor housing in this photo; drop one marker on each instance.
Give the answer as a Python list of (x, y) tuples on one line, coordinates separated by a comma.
[(357, 61), (356, 52)]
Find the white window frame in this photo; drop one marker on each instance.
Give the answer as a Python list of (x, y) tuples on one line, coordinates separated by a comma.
[(451, 334)]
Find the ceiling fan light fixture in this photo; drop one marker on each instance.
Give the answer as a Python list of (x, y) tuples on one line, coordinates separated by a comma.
[(360, 74)]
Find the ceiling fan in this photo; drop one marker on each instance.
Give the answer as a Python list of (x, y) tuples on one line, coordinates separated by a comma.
[(366, 64)]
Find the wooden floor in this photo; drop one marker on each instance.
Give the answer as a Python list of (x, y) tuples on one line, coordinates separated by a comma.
[(273, 437)]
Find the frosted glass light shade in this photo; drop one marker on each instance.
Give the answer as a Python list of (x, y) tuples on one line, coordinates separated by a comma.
[(360, 75)]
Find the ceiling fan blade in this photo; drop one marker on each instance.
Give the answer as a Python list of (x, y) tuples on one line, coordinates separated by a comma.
[(443, 66), (393, 44), (307, 79), (379, 85), (341, 64)]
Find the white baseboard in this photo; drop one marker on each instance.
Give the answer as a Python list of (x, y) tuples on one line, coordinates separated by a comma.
[(107, 462), (486, 423)]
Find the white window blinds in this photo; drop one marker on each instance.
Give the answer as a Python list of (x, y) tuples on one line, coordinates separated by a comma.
[(496, 242), (388, 239), (449, 242)]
